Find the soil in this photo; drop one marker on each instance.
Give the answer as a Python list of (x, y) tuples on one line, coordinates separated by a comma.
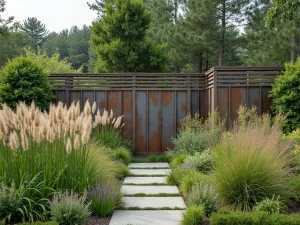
[(94, 220)]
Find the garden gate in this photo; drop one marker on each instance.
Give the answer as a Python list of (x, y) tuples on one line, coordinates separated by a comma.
[(153, 104)]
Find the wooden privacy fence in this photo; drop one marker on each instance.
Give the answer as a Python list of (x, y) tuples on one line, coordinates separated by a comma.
[(154, 104)]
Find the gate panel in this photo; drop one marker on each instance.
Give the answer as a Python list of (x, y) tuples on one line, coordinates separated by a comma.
[(141, 121), (154, 136)]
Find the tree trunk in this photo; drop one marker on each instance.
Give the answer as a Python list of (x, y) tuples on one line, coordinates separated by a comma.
[(177, 69), (206, 63), (200, 64), (222, 34), (293, 45)]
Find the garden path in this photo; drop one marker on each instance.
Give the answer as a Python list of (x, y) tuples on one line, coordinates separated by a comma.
[(148, 199)]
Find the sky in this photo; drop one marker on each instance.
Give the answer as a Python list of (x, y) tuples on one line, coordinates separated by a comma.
[(55, 14)]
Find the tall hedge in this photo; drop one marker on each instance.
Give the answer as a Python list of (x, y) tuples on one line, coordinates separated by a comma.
[(286, 95), (23, 80)]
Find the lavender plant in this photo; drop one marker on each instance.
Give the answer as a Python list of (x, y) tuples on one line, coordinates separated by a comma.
[(105, 197)]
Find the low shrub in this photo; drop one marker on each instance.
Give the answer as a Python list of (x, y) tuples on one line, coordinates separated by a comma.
[(39, 223), (201, 161), (122, 154), (189, 180), (194, 215), (69, 209), (270, 205), (22, 80), (294, 187), (177, 174), (10, 203), (122, 171), (152, 158), (203, 194), (252, 165), (178, 160), (105, 197), (255, 218)]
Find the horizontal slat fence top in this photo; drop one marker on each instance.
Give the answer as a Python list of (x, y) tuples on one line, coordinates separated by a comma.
[(153, 104)]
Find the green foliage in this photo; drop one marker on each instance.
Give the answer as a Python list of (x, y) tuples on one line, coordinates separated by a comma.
[(201, 161), (69, 209), (270, 205), (252, 165), (111, 138), (122, 171), (4, 23), (152, 158), (203, 194), (119, 39), (285, 94), (194, 215), (23, 80), (122, 154), (40, 223), (189, 180), (105, 197), (50, 64), (36, 30), (256, 218), (177, 175), (10, 203), (294, 187), (178, 160)]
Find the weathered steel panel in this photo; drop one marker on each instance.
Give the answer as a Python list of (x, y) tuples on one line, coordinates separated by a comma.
[(154, 111), (223, 103), (168, 118), (114, 102), (75, 96), (181, 107), (238, 96), (266, 100), (61, 96), (202, 104), (101, 100), (195, 102), (141, 121), (87, 95), (127, 112), (254, 98)]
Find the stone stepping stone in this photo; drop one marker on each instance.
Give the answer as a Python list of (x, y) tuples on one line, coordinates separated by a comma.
[(148, 165), (150, 171), (149, 190), (147, 217), (145, 180), (154, 202)]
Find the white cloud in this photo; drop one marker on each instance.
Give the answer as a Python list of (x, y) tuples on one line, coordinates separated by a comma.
[(55, 14)]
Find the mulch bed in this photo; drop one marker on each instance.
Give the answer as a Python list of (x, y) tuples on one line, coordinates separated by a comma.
[(94, 220)]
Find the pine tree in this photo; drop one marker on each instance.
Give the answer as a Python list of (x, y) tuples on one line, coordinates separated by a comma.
[(119, 39), (4, 23), (36, 30)]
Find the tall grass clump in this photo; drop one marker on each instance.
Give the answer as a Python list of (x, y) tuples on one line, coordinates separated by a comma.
[(197, 134), (252, 165), (50, 148)]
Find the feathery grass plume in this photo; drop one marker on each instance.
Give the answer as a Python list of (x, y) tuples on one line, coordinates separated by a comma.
[(111, 114), (76, 142), (24, 141), (69, 146), (77, 109), (13, 141), (60, 111), (94, 108), (87, 108)]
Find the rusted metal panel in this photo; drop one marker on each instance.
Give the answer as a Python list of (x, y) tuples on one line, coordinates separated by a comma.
[(127, 112), (141, 121), (194, 102), (61, 96), (254, 98), (87, 96), (180, 107), (237, 97), (168, 118), (101, 100), (154, 136), (203, 104), (75, 96), (223, 103), (114, 102), (266, 100)]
